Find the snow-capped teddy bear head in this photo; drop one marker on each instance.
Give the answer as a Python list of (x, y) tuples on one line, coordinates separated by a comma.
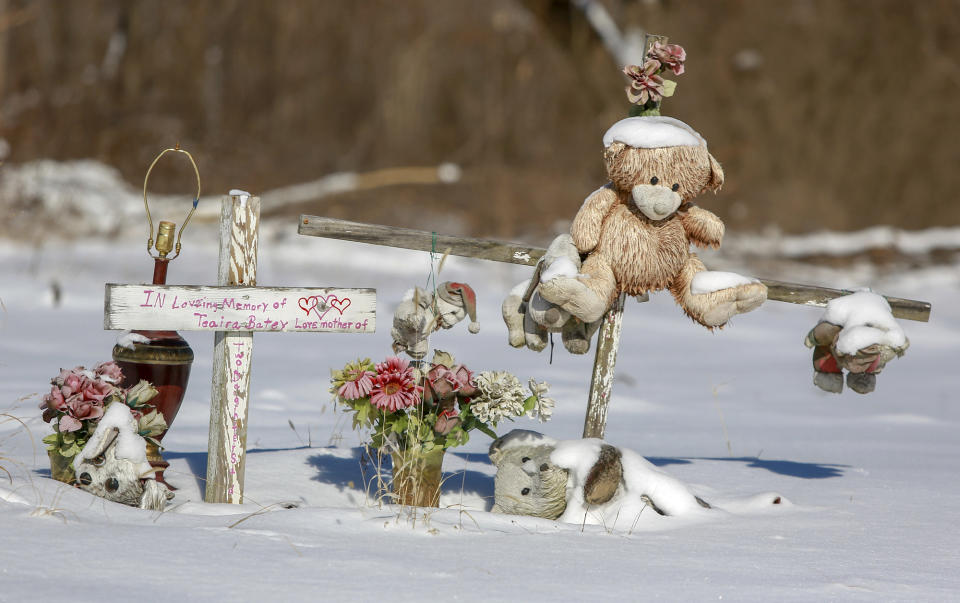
[(661, 161), (529, 482)]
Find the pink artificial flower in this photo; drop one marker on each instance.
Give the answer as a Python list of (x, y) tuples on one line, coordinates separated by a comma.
[(393, 364), (358, 382), (394, 390), (446, 380), (671, 56), (84, 410), (109, 371), (447, 420), (96, 391), (463, 377), (645, 84), (68, 423), (70, 382), (55, 399)]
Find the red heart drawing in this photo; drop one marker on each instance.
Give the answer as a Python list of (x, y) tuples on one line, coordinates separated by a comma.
[(308, 303), (339, 304)]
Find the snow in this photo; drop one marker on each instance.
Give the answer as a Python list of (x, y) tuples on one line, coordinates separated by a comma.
[(867, 319), (627, 510), (128, 338), (709, 281), (652, 132), (562, 266), (731, 415), (130, 445)]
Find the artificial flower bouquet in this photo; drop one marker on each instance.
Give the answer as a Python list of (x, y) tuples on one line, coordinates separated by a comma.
[(647, 88), (415, 415), (76, 402)]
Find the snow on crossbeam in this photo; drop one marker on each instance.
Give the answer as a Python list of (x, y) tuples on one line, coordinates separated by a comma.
[(240, 309)]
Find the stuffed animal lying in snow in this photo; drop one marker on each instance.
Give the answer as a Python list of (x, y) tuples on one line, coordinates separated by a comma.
[(582, 480), (636, 230), (858, 333), (420, 314), (113, 464), (530, 318)]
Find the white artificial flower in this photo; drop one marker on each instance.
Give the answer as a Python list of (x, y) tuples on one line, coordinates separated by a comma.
[(500, 395)]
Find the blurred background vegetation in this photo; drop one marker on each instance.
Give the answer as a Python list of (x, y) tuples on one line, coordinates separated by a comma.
[(826, 114)]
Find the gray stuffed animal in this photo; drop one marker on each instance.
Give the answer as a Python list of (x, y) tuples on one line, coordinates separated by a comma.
[(113, 464), (420, 314), (568, 480), (530, 318)]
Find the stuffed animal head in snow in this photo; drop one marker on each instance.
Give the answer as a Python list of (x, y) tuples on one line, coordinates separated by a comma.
[(113, 464), (529, 482), (421, 313), (859, 334), (661, 161)]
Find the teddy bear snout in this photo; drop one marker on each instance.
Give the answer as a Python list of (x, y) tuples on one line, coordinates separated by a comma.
[(656, 202)]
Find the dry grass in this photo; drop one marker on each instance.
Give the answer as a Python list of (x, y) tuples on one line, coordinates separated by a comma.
[(824, 113)]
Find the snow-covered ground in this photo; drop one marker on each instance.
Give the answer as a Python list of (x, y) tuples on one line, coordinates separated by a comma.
[(869, 483)]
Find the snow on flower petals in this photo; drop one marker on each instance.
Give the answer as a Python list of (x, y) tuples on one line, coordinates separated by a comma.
[(645, 84), (109, 372)]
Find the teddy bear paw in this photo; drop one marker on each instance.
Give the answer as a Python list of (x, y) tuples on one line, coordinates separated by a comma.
[(862, 383), (723, 304), (828, 382), (573, 296)]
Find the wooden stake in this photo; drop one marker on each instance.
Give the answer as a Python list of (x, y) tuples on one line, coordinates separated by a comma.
[(226, 453), (608, 338), (601, 384)]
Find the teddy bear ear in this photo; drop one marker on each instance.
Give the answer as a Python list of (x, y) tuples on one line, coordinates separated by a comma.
[(604, 477), (496, 451), (716, 175)]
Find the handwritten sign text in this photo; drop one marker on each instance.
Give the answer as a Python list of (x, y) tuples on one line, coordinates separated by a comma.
[(278, 309)]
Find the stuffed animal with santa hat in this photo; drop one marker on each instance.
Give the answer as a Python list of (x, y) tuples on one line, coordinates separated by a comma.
[(423, 312)]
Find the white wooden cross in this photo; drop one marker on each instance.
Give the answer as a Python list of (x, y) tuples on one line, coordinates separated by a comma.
[(233, 311)]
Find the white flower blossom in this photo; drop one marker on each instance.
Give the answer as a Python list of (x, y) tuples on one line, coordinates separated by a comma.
[(543, 407), (500, 395)]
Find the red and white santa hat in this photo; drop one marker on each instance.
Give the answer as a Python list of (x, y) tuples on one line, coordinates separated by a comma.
[(462, 294)]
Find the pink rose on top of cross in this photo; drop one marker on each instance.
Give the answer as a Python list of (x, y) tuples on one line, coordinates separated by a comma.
[(645, 84), (671, 56)]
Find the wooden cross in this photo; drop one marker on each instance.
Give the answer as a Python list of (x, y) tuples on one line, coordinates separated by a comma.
[(233, 311), (608, 336)]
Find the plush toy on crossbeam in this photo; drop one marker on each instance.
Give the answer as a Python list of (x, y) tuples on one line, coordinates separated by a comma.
[(633, 234), (857, 334), (636, 231), (421, 313), (530, 318)]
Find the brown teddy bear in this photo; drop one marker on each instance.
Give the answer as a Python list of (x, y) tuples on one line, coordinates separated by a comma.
[(636, 230)]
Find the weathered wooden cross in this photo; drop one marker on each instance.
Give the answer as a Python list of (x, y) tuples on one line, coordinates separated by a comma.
[(233, 311), (608, 336)]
